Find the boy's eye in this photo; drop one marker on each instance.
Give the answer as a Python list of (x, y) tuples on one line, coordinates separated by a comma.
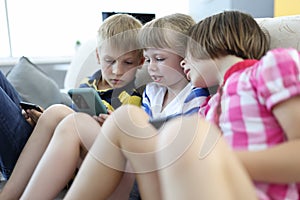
[(160, 59), (128, 62)]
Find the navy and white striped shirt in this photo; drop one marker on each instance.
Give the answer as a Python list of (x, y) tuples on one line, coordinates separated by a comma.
[(188, 101)]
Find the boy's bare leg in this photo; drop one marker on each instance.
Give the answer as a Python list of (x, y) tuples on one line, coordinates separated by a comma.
[(126, 134), (60, 160), (197, 163), (33, 151)]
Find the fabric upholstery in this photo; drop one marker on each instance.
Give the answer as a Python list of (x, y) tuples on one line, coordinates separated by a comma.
[(284, 32)]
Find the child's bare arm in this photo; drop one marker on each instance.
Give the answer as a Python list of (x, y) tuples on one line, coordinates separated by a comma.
[(279, 164), (102, 117)]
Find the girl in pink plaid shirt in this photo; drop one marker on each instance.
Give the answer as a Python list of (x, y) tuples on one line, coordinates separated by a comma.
[(254, 156), (257, 104)]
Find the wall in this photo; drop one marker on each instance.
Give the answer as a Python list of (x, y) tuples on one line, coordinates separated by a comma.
[(200, 9), (257, 8), (286, 7)]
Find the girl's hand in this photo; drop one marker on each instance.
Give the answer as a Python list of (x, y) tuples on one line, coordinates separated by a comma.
[(32, 116), (102, 117)]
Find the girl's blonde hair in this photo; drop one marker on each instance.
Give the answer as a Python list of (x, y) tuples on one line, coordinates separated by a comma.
[(120, 31), (168, 32), (228, 33)]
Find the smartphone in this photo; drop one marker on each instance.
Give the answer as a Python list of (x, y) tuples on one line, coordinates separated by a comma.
[(26, 105), (87, 100)]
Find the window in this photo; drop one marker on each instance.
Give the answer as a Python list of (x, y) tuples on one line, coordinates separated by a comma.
[(4, 34), (51, 28), (48, 28)]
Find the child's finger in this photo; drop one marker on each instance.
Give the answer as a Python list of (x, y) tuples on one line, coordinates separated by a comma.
[(109, 112), (103, 116)]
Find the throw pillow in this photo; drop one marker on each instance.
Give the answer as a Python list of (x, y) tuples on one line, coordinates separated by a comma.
[(33, 84)]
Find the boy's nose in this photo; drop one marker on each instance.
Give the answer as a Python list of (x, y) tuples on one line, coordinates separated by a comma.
[(117, 69)]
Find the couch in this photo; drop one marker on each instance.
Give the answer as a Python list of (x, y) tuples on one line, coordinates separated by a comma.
[(30, 81), (283, 31)]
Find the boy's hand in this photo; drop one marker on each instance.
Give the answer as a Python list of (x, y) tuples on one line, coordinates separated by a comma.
[(32, 115), (102, 117)]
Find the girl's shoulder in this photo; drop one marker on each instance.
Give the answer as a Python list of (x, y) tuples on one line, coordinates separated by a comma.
[(278, 63), (280, 57), (276, 75)]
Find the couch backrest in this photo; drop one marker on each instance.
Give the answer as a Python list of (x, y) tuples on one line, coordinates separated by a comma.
[(84, 63), (284, 32)]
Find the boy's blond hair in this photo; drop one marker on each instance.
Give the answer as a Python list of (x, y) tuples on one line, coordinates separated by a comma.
[(167, 32), (120, 32), (228, 33)]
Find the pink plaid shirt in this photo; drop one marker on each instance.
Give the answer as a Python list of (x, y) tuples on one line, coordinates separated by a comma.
[(246, 118)]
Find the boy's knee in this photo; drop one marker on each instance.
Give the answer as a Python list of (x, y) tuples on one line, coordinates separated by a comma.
[(80, 125), (77, 120), (57, 111), (57, 108), (53, 115)]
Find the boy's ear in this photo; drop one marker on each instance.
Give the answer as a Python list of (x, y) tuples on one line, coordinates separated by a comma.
[(97, 55)]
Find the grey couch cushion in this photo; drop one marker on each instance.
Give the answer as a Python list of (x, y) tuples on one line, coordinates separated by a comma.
[(34, 85)]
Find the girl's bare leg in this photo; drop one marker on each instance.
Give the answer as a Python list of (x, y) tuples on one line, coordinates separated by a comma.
[(33, 151), (126, 134), (197, 164), (61, 158)]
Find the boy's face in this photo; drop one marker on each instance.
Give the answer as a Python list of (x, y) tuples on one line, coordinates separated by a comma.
[(163, 66), (118, 69)]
